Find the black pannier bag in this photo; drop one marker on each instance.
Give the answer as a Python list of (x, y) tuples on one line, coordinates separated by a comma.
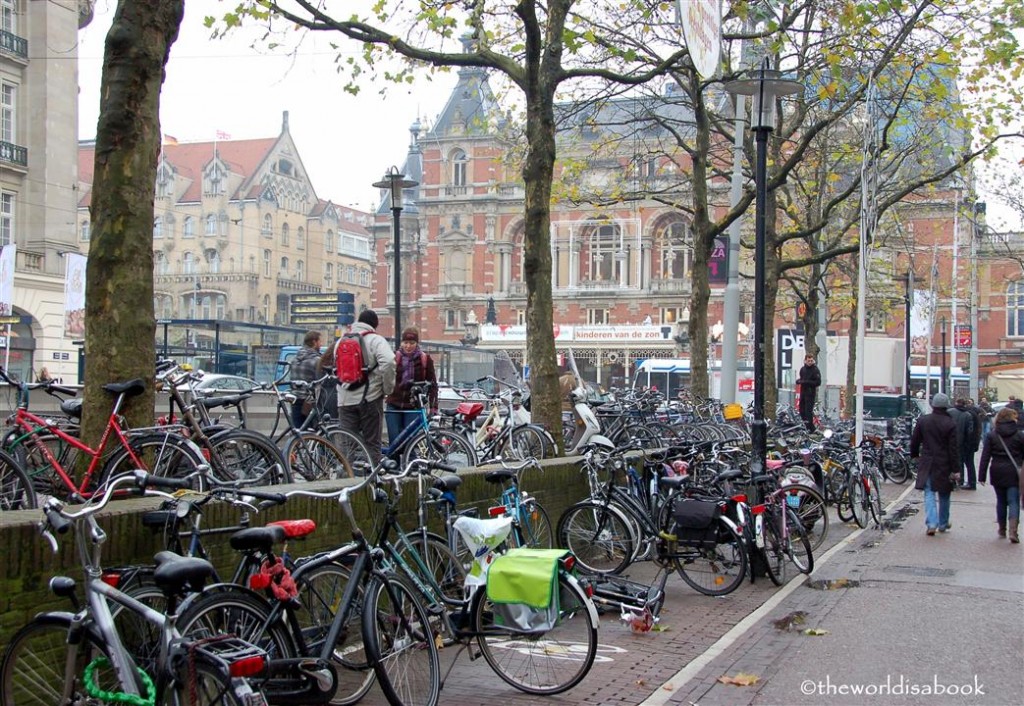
[(696, 522)]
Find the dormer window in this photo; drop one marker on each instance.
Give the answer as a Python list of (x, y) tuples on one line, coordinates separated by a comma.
[(215, 180), (164, 181)]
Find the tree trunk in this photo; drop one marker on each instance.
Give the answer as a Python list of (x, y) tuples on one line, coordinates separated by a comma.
[(703, 242), (120, 328), (851, 363)]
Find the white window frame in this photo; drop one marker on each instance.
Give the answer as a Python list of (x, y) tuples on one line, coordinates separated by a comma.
[(9, 16), (1015, 309), (598, 317), (8, 113), (7, 205), (188, 228)]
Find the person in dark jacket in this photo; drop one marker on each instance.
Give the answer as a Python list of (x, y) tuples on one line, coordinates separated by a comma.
[(305, 367), (1003, 451), (933, 444), (411, 365), (967, 428), (809, 379)]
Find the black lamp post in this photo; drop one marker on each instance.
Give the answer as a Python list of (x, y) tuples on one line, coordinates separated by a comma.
[(394, 181), (942, 382), (765, 85)]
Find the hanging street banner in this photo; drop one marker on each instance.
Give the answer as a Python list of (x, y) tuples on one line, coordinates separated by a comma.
[(7, 260), (74, 296), (702, 30), (921, 311)]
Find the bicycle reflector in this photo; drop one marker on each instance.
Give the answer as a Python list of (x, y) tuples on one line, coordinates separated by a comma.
[(757, 509), (739, 498), (496, 511), (247, 666), (111, 578), (568, 562)]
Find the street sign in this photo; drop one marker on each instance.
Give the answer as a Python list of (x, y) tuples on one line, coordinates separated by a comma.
[(962, 337)]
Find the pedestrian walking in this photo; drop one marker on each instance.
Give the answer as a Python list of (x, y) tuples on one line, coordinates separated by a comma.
[(361, 409), (412, 364), (967, 439), (809, 379), (987, 414), (933, 444), (1003, 452), (304, 368)]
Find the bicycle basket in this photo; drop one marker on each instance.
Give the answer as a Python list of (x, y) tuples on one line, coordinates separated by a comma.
[(696, 522)]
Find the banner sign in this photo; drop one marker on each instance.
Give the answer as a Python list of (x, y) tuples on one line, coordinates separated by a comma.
[(921, 311), (74, 296), (581, 334)]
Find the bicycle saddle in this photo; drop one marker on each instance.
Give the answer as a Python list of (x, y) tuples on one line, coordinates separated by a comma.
[(174, 572), (294, 529), (499, 476), (673, 482), (257, 538), (222, 400), (72, 407), (447, 483), (731, 474), (130, 388)]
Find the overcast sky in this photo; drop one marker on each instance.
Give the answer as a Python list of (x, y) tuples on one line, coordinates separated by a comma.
[(346, 142)]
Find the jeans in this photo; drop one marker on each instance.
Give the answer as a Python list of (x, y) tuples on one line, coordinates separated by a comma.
[(397, 420), (970, 478), (935, 517), (1007, 503)]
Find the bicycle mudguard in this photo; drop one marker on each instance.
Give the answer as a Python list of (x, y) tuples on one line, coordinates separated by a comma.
[(221, 588)]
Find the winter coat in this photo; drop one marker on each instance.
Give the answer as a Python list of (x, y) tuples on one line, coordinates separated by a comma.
[(933, 443), (809, 379), (401, 395), (964, 429), (380, 358), (1004, 470), (304, 367)]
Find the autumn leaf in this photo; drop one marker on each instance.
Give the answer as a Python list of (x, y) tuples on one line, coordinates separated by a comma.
[(740, 679), (815, 632)]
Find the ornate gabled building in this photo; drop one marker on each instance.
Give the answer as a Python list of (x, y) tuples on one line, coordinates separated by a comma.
[(238, 230)]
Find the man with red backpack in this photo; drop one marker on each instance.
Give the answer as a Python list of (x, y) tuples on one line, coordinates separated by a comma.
[(411, 365), (362, 388)]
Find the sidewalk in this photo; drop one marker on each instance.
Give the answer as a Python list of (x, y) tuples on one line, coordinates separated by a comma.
[(936, 620)]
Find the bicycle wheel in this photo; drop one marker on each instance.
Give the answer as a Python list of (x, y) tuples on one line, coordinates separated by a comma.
[(858, 500), (32, 671), (598, 535), (230, 610), (813, 513), (27, 452), (525, 442), (714, 571), (246, 455), (313, 457), (16, 492), (895, 465), (203, 684), (639, 434), (399, 642), (798, 545), (874, 481), (534, 526), (166, 455), (774, 552), (543, 661), (443, 446), (351, 447), (320, 593)]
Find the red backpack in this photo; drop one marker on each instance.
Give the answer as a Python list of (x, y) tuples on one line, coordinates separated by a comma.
[(350, 361)]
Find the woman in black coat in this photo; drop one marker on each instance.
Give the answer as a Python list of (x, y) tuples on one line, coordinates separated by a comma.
[(1004, 450)]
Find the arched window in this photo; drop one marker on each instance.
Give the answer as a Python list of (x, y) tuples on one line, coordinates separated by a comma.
[(267, 229), (266, 308), (158, 227), (602, 243), (300, 238), (1015, 309), (188, 264), (300, 270), (188, 228), (460, 168), (674, 252), (266, 263), (213, 261), (85, 231), (211, 224), (160, 262), (285, 234), (284, 266), (329, 241), (328, 276)]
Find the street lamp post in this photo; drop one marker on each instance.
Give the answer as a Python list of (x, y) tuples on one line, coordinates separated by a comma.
[(394, 181), (766, 86), (945, 371)]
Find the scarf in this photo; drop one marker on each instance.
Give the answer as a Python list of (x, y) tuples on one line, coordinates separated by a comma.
[(407, 366)]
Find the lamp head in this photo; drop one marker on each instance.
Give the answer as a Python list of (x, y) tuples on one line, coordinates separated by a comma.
[(765, 85)]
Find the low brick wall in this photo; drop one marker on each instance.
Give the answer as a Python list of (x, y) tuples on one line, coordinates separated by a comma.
[(29, 564)]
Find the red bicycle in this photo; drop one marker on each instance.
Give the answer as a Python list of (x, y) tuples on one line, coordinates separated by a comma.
[(49, 449)]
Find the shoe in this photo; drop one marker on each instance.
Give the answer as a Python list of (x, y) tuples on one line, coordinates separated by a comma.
[(1002, 530), (930, 532), (946, 528)]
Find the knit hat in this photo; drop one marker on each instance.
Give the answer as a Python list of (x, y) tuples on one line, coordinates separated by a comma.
[(411, 334), (940, 401), (369, 317)]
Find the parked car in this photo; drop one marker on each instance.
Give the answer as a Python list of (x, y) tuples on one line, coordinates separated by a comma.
[(217, 383)]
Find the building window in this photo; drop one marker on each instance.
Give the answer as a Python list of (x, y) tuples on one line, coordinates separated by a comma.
[(284, 266), (520, 317), (8, 100), (460, 166), (266, 263), (285, 234), (675, 252), (266, 308), (364, 278), (9, 16), (267, 229), (875, 321), (188, 227), (213, 261), (158, 227), (1015, 309), (350, 274), (328, 275), (300, 270), (188, 264), (453, 319), (300, 238), (211, 224), (329, 241), (160, 262), (85, 230), (604, 243), (672, 315), (6, 218), (597, 317)]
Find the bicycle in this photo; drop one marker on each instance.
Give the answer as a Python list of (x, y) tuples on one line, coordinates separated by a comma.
[(505, 431), (775, 523), (69, 658), (358, 615), (48, 450)]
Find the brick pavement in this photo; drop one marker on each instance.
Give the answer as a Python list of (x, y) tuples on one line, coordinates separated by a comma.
[(632, 668)]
